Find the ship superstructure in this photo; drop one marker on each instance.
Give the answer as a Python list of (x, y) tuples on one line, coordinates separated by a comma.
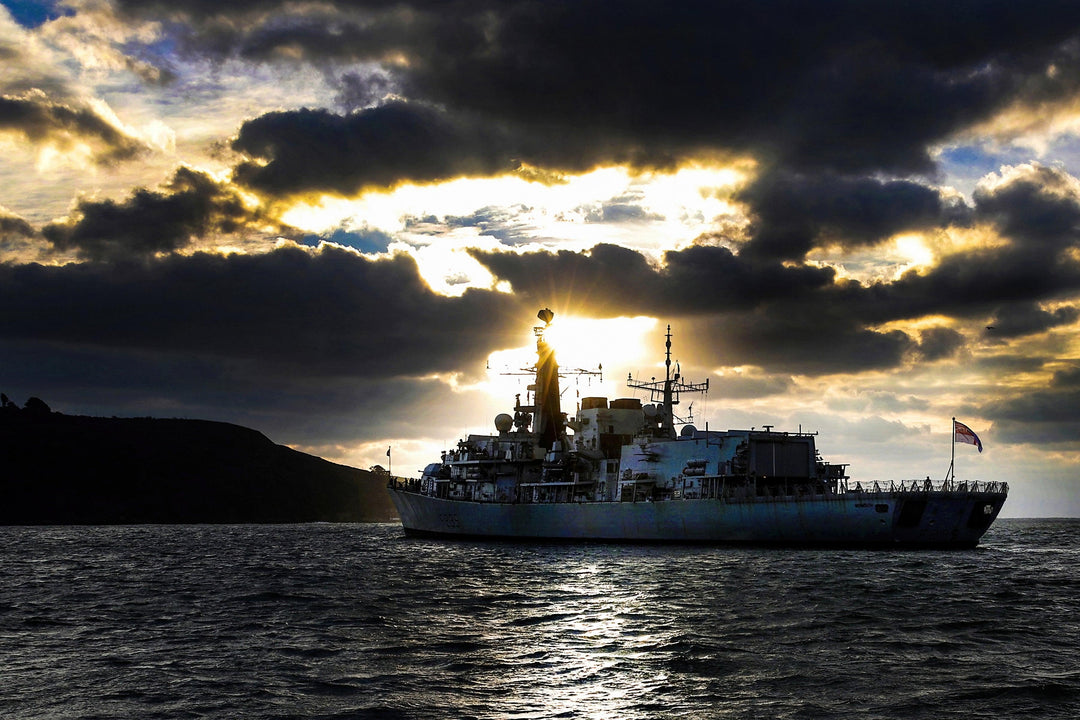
[(624, 472)]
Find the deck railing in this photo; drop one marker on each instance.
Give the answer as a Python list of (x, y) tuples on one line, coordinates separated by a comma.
[(928, 485), (742, 491)]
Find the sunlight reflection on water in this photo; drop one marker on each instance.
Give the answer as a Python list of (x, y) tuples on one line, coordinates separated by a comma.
[(599, 633), (596, 661), (357, 622)]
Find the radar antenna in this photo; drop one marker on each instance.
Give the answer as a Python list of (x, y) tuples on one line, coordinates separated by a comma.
[(666, 391)]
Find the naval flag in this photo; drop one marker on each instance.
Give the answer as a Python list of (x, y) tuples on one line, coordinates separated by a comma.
[(963, 434)]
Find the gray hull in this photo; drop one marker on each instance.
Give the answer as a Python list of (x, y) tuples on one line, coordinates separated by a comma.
[(886, 519)]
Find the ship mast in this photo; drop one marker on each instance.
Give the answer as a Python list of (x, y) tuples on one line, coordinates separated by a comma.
[(546, 407), (549, 418), (666, 392)]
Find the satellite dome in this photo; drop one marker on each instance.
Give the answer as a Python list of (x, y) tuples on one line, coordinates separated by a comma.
[(503, 422), (688, 431)]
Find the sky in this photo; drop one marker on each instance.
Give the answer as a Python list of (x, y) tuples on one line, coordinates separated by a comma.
[(334, 222)]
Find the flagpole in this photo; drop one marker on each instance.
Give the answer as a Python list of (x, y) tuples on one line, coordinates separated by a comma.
[(952, 462)]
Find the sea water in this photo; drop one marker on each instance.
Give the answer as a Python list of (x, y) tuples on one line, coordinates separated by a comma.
[(357, 621)]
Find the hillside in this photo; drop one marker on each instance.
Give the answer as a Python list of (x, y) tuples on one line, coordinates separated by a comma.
[(61, 469)]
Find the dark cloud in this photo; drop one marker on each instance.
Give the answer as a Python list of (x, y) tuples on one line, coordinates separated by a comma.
[(939, 342), (806, 340), (308, 151), (191, 205), (616, 281), (852, 86), (1035, 205), (1023, 319), (794, 213), (313, 313), (360, 90), (608, 280), (1041, 417), (973, 287), (839, 105), (42, 121), (17, 236), (1067, 378), (13, 226), (1037, 224)]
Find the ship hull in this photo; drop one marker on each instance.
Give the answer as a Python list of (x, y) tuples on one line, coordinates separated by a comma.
[(936, 519)]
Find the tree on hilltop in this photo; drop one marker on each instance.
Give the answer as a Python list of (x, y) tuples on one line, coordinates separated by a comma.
[(36, 406)]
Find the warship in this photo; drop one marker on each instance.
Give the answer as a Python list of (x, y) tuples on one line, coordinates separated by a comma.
[(622, 471)]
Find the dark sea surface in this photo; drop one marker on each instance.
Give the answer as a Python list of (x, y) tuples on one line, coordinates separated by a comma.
[(356, 621)]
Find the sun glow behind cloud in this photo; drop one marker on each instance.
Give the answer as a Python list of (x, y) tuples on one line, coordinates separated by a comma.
[(613, 346), (915, 250), (584, 342), (683, 194), (651, 212)]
